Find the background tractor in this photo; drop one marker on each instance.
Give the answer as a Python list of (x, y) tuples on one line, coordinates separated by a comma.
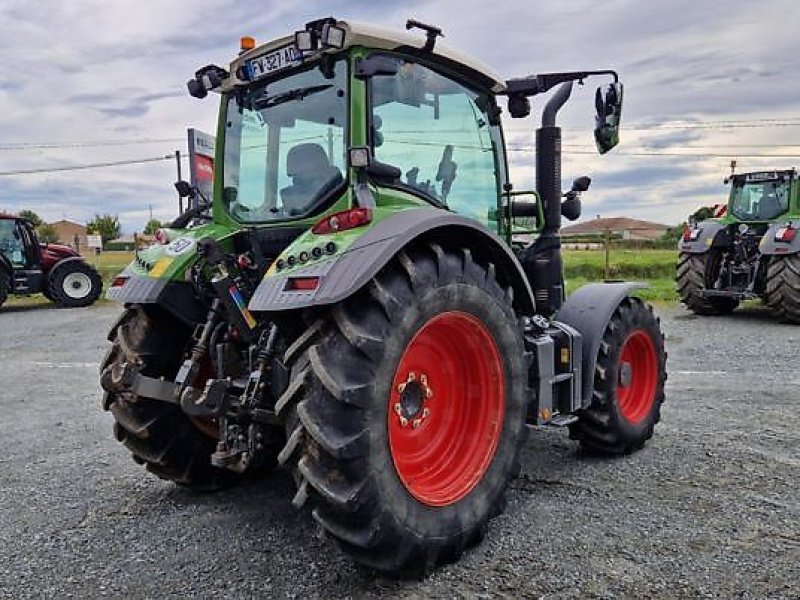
[(750, 250), (29, 267), (358, 309)]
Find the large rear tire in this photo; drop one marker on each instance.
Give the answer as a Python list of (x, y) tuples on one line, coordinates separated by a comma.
[(405, 414), (628, 383), (159, 435), (782, 294), (74, 284), (696, 272)]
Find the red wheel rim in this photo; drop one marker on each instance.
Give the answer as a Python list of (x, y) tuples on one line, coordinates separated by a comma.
[(446, 408), (637, 377)]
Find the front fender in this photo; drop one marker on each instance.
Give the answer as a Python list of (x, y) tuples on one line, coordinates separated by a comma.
[(769, 245), (588, 310), (712, 234), (347, 272)]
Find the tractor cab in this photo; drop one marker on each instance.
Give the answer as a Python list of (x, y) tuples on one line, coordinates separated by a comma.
[(761, 196), (351, 122), (18, 242)]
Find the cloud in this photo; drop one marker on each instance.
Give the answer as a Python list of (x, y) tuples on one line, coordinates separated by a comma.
[(96, 70)]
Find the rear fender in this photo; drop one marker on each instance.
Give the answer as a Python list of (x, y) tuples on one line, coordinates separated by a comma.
[(345, 273), (768, 245), (63, 261), (712, 235), (588, 310)]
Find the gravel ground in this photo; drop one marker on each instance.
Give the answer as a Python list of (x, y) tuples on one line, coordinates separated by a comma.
[(709, 508)]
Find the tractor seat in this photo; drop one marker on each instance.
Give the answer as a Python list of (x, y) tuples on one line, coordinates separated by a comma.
[(313, 177)]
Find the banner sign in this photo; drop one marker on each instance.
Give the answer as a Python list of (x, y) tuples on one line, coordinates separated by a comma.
[(201, 161)]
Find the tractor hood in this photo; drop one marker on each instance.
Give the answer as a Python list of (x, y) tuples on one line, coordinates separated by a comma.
[(58, 251)]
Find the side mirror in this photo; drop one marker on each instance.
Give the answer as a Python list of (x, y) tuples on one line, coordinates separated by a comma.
[(608, 102), (184, 189), (581, 184)]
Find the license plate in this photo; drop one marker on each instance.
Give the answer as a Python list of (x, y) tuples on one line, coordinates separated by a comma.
[(277, 60)]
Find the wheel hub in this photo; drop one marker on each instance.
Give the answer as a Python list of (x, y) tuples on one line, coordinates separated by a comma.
[(77, 285), (414, 394)]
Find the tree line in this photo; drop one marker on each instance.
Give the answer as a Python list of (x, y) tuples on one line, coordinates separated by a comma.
[(107, 226)]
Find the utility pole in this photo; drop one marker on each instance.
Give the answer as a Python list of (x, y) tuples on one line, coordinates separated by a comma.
[(180, 177)]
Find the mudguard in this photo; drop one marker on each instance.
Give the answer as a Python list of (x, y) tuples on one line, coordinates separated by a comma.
[(710, 234), (588, 310), (68, 259), (175, 296), (347, 272), (770, 246)]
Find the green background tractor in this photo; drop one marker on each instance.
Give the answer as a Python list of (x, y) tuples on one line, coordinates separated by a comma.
[(751, 251), (358, 308)]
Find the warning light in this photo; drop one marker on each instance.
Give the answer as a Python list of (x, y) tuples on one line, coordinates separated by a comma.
[(247, 43)]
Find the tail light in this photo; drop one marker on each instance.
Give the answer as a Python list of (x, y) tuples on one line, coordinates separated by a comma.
[(162, 237), (119, 281), (785, 234), (342, 221), (301, 284), (690, 234)]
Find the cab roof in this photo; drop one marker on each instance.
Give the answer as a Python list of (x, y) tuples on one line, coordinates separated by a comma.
[(370, 36)]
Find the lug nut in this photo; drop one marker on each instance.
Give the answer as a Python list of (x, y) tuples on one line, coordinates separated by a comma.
[(423, 379), (403, 421), (426, 412), (416, 423), (398, 409)]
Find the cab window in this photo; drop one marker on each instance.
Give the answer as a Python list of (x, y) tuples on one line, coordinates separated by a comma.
[(436, 132)]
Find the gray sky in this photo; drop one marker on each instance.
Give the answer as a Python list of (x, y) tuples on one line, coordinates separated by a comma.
[(99, 70)]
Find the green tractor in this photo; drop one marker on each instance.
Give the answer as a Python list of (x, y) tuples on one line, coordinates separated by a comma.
[(357, 308), (747, 250)]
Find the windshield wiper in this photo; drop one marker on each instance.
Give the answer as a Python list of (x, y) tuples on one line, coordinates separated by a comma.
[(296, 94)]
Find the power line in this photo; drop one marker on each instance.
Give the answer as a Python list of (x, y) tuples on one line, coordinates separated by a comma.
[(116, 163), (97, 143)]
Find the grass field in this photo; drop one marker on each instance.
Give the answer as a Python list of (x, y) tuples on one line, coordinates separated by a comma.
[(656, 267)]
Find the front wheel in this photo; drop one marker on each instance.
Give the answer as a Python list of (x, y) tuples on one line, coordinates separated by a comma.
[(74, 284), (628, 382), (406, 415)]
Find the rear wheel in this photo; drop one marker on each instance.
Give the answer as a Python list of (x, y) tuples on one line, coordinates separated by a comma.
[(405, 416), (696, 272), (74, 284), (628, 382), (159, 435), (783, 287)]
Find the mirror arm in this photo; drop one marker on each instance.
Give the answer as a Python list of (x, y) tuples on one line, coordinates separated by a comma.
[(538, 84)]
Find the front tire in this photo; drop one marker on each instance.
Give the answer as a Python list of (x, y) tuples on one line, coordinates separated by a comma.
[(696, 272), (405, 416), (74, 284), (783, 287), (628, 383)]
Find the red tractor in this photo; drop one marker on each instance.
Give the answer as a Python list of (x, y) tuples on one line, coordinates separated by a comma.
[(29, 267)]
